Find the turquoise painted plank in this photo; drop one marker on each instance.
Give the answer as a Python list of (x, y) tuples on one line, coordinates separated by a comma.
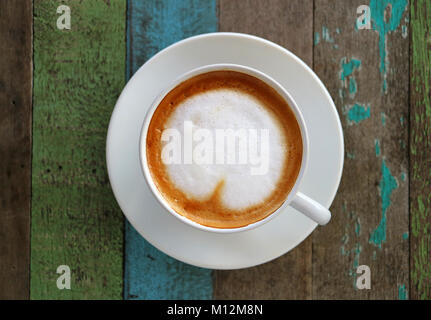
[(152, 26)]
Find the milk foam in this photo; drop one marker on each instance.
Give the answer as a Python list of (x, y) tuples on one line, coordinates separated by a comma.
[(228, 109)]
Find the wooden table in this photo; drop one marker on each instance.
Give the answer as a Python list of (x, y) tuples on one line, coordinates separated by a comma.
[(58, 89)]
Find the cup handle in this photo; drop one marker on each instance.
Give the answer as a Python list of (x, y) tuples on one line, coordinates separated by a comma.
[(311, 208)]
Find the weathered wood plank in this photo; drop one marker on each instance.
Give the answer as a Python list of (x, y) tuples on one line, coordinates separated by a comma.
[(420, 150), (75, 220), (15, 147), (152, 26), (290, 24), (367, 74)]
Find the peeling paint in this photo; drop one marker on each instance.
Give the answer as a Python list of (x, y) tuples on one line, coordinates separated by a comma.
[(357, 227), (348, 81), (326, 36), (383, 118), (344, 241), (402, 292), (404, 32), (358, 113), (354, 249), (387, 185), (378, 9), (377, 147), (316, 38), (347, 68), (343, 251), (353, 87), (357, 251)]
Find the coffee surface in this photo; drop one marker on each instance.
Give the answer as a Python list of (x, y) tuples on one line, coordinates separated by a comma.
[(238, 149)]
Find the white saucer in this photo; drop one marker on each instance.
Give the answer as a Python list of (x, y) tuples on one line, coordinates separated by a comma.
[(164, 231)]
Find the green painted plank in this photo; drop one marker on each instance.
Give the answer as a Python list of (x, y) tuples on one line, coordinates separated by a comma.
[(75, 219), (152, 26), (420, 150)]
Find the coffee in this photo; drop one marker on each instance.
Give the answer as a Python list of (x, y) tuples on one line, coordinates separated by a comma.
[(224, 149)]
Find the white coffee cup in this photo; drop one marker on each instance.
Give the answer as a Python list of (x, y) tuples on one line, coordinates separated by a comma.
[(296, 199)]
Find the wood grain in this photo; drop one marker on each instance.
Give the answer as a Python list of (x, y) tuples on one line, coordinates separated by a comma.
[(79, 74), (152, 26), (367, 74), (15, 147), (290, 24), (420, 150)]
